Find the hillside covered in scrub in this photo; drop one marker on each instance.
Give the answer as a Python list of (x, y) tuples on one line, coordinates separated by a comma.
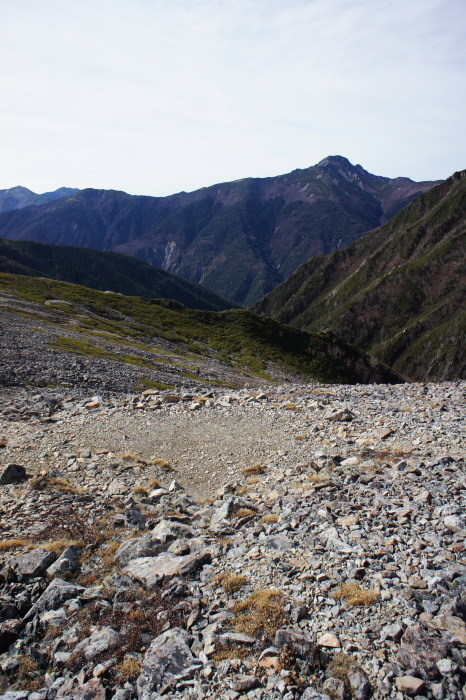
[(399, 292), (105, 271), (52, 324)]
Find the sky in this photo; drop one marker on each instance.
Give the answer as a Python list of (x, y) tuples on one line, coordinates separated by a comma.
[(158, 96)]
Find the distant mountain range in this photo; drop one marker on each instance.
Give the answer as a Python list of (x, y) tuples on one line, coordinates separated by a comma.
[(105, 271), (399, 292), (239, 239), (19, 197)]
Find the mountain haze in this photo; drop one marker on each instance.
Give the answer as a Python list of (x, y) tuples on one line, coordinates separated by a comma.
[(19, 197), (399, 292), (239, 239)]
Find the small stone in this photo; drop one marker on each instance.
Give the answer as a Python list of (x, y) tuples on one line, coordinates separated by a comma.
[(330, 640), (409, 684), (417, 582)]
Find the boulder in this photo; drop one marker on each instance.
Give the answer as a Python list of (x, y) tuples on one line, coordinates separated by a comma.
[(150, 571), (33, 563), (54, 596), (152, 543), (167, 660), (67, 561), (13, 474)]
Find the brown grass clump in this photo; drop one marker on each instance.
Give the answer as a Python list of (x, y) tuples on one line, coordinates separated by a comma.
[(318, 478), (27, 674), (140, 491), (59, 546), (340, 666), (44, 483), (243, 513), (269, 518), (131, 457), (232, 652), (231, 583), (154, 484), (290, 406), (260, 613), (160, 462), (254, 470), (129, 669), (354, 594), (109, 551), (14, 543)]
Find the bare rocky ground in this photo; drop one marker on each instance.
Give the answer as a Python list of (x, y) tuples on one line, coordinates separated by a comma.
[(287, 542)]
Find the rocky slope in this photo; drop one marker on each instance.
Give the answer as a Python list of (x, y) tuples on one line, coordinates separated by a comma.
[(399, 292), (53, 333), (105, 271), (327, 562), (239, 239), (19, 197)]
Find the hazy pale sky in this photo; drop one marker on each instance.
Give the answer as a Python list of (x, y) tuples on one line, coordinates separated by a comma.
[(157, 96)]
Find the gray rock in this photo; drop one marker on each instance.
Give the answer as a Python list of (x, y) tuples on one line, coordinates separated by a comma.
[(242, 683), (101, 639), (74, 690), (33, 563), (297, 640), (150, 571), (13, 474), (421, 651), (221, 513), (54, 596), (152, 543), (67, 561), (312, 694), (168, 659), (359, 683), (336, 689)]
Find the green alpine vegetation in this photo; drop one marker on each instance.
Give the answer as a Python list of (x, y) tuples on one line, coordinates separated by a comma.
[(105, 271), (125, 328), (399, 292)]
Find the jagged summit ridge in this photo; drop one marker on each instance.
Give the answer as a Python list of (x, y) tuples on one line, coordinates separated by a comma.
[(240, 239)]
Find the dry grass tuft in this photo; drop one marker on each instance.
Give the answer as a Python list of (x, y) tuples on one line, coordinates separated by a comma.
[(243, 513), (340, 666), (128, 669), (269, 518), (140, 491), (354, 594), (290, 406), (154, 484), (59, 546), (260, 613), (57, 483), (109, 551), (231, 583), (254, 470), (6, 545), (318, 478), (232, 652), (159, 462), (131, 457)]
